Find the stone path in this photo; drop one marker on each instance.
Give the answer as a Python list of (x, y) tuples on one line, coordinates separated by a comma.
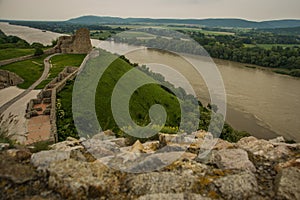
[(23, 94), (34, 129)]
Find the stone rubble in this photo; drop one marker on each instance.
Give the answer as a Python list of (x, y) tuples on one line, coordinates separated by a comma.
[(107, 167)]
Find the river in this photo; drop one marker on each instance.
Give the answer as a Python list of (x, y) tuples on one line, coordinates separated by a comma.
[(260, 102)]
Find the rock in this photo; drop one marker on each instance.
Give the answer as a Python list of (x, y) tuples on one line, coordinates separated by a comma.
[(287, 183), (165, 139), (263, 148), (203, 135), (140, 162), (277, 140), (15, 171), (291, 163), (188, 156), (176, 196), (196, 168), (150, 147), (137, 147), (19, 154), (43, 159), (105, 135), (222, 144), (8, 78), (4, 146), (82, 180), (233, 159), (68, 145), (278, 152), (238, 186), (163, 182), (100, 149), (172, 148), (121, 142)]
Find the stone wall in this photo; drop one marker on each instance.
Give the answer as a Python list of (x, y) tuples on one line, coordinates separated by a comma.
[(9, 79), (80, 43)]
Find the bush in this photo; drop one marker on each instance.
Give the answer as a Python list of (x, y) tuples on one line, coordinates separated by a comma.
[(38, 52)]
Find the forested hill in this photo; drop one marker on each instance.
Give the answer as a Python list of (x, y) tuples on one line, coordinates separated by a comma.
[(234, 23)]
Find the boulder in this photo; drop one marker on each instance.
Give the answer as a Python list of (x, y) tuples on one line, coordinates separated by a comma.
[(238, 186), (263, 148), (100, 149), (43, 159), (82, 180), (287, 183), (15, 171), (233, 159), (163, 182)]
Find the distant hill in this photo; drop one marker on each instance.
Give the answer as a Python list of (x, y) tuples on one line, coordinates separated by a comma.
[(231, 23), (284, 31)]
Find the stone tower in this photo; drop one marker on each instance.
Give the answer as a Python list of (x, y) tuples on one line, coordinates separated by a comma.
[(79, 43)]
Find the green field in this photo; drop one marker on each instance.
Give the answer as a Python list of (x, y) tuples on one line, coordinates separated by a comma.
[(269, 46), (14, 53), (136, 34), (173, 28), (102, 35), (30, 70), (59, 62)]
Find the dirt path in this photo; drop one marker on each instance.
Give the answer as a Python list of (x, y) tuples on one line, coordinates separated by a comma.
[(47, 67)]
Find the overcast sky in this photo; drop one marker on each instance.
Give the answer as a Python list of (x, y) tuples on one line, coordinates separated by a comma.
[(66, 9)]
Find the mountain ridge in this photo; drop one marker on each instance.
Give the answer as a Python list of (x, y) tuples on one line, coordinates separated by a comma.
[(209, 22)]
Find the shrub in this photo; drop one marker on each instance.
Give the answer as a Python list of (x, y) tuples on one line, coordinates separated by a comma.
[(38, 52)]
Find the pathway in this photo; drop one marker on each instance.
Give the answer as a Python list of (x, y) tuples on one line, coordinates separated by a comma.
[(47, 66)]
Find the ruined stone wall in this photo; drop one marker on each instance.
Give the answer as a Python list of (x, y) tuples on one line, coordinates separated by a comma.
[(80, 43), (9, 79)]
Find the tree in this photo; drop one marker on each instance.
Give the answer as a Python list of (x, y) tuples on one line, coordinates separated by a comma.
[(38, 52)]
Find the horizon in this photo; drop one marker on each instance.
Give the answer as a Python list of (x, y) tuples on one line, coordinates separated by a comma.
[(144, 17), (34, 10)]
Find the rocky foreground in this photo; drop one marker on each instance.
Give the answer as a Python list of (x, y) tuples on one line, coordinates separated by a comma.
[(106, 167)]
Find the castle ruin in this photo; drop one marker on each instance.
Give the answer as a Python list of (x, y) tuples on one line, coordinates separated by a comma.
[(80, 43)]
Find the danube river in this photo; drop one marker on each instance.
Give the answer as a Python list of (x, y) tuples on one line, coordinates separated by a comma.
[(259, 101)]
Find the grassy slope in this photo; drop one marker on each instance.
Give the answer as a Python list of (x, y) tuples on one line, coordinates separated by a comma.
[(140, 102), (30, 70), (14, 53), (59, 62)]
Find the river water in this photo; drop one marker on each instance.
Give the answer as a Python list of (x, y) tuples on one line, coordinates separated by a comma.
[(258, 101)]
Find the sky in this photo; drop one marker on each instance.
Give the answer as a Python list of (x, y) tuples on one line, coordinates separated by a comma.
[(257, 10)]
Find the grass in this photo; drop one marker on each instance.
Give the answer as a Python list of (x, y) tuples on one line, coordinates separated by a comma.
[(140, 102), (64, 116), (14, 53), (29, 70), (102, 35), (269, 46), (136, 34), (59, 62)]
